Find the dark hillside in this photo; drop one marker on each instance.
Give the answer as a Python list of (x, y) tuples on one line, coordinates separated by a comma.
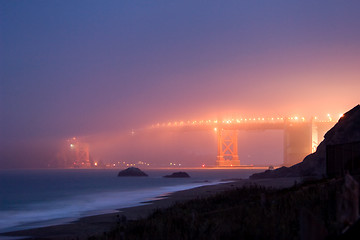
[(245, 213)]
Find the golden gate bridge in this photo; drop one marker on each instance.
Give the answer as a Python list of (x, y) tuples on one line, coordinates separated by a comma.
[(301, 136)]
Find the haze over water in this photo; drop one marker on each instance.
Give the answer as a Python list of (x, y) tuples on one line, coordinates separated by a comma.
[(98, 70)]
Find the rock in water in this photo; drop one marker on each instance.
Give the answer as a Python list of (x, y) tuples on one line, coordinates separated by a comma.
[(132, 172), (178, 175), (346, 130)]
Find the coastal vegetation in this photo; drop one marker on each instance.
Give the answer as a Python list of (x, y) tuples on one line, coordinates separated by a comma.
[(250, 212)]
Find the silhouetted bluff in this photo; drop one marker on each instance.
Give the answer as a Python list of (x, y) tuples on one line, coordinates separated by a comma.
[(132, 172), (346, 130), (178, 175)]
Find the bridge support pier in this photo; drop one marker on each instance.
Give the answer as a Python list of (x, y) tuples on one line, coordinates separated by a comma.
[(227, 148), (297, 142), (300, 139)]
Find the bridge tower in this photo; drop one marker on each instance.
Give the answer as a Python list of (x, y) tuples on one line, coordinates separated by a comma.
[(227, 148), (297, 142), (80, 153)]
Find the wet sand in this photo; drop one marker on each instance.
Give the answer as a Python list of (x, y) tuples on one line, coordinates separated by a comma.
[(98, 224)]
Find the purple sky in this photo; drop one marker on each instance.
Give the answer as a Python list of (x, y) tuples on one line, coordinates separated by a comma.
[(88, 67)]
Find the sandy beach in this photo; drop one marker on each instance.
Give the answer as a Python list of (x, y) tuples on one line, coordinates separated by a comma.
[(98, 224)]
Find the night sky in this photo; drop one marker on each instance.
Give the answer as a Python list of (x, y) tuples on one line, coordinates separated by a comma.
[(91, 68)]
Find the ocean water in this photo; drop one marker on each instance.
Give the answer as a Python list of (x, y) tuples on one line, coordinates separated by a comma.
[(36, 198)]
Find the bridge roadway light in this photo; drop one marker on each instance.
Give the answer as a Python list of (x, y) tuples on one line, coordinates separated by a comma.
[(330, 119)]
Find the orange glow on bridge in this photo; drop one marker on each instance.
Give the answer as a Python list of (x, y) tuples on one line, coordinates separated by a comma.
[(297, 127), (246, 120)]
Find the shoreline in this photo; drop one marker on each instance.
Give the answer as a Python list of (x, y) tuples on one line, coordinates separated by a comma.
[(98, 224), (157, 194)]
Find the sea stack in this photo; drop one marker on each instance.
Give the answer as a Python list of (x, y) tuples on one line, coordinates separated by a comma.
[(132, 172), (178, 175)]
